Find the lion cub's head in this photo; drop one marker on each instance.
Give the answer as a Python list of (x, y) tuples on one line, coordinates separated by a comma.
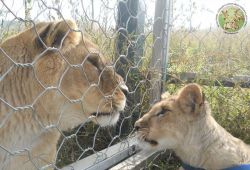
[(165, 126)]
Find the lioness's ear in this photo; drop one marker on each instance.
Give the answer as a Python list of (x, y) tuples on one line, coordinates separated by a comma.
[(191, 98), (53, 34), (165, 95)]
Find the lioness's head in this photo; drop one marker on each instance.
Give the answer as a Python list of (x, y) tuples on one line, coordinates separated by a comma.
[(165, 126), (88, 76), (61, 57)]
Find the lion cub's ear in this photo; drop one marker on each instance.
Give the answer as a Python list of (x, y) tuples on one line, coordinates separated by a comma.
[(191, 98), (53, 34), (165, 95)]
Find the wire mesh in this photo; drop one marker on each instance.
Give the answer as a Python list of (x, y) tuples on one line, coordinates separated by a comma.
[(195, 45), (55, 83)]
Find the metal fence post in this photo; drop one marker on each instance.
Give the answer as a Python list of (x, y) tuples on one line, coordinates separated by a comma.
[(161, 31), (129, 49), (27, 12), (130, 24)]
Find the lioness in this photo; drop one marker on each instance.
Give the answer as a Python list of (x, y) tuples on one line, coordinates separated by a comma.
[(52, 79), (183, 122)]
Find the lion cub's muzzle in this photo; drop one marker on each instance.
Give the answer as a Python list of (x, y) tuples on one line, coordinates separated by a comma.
[(142, 129), (141, 124)]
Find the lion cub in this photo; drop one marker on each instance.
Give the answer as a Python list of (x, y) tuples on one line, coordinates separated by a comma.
[(183, 122)]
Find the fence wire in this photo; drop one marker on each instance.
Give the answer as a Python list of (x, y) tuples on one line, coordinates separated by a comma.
[(124, 34), (42, 97)]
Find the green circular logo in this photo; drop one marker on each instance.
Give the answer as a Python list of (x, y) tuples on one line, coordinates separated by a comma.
[(231, 18)]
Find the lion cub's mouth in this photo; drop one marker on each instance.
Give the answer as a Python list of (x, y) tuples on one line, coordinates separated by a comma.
[(142, 137), (152, 142)]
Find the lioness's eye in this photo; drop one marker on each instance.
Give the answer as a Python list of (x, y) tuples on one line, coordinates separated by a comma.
[(94, 59), (163, 111)]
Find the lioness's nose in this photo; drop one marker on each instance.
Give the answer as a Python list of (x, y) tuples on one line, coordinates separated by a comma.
[(124, 89), (125, 92)]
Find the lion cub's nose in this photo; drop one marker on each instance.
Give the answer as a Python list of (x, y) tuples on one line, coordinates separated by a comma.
[(137, 128), (137, 125)]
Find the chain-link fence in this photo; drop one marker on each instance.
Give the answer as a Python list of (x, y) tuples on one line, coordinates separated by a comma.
[(58, 87), (59, 82)]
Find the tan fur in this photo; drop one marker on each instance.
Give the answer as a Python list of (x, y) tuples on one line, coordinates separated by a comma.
[(54, 90), (185, 125)]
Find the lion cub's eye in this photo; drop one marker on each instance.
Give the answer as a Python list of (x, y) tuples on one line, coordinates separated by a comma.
[(163, 111)]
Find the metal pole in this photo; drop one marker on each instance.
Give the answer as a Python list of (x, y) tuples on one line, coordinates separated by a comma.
[(166, 40), (129, 50), (158, 64)]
